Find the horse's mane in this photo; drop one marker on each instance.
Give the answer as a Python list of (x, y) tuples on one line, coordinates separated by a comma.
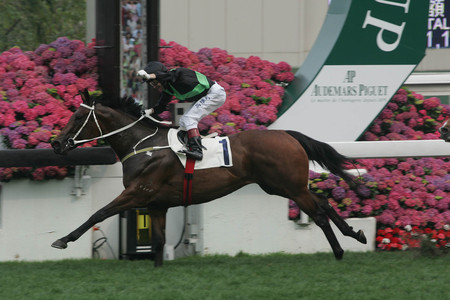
[(125, 104)]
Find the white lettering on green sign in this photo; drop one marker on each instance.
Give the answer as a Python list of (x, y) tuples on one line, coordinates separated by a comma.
[(386, 26), (404, 5)]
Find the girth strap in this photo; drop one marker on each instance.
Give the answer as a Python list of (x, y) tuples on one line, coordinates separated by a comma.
[(148, 149)]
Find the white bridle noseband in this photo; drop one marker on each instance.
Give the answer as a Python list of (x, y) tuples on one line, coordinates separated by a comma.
[(72, 142), (443, 126)]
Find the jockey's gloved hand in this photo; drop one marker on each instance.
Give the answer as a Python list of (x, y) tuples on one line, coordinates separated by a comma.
[(144, 75), (148, 112), (158, 109), (151, 112), (152, 115)]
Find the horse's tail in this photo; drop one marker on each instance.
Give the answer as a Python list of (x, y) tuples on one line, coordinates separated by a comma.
[(325, 155)]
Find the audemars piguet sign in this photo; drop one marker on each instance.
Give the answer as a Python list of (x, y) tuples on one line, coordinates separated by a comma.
[(348, 89), (364, 53)]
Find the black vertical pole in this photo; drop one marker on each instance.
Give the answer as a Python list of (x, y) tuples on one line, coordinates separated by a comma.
[(153, 37), (108, 46), (153, 41)]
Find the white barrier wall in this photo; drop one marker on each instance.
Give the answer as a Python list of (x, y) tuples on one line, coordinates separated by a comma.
[(34, 214), (253, 222)]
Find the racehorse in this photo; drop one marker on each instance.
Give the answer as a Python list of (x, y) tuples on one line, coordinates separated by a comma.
[(277, 160), (444, 130)]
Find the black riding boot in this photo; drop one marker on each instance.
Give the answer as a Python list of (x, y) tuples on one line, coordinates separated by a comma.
[(194, 145)]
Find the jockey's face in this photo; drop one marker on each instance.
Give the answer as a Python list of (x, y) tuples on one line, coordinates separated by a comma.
[(156, 85)]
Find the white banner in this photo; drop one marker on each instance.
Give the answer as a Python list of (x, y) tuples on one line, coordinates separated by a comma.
[(343, 100)]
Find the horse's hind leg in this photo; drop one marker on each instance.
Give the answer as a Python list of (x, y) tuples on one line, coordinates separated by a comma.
[(308, 204), (346, 229), (322, 221)]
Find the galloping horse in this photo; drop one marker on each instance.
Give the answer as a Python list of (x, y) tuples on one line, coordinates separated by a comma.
[(277, 160), (445, 131)]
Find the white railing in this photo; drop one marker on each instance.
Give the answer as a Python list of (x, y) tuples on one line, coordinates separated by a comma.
[(393, 149)]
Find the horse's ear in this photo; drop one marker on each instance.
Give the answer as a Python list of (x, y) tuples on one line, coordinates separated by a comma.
[(86, 97)]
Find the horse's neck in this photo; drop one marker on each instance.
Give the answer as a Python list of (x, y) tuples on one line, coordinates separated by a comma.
[(141, 134)]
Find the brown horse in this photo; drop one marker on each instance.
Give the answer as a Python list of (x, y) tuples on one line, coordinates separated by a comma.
[(277, 160), (445, 131)]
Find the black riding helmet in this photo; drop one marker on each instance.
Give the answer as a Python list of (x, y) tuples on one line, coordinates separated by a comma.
[(154, 67)]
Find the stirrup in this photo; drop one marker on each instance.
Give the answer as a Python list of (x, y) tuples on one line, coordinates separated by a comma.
[(194, 148), (196, 154), (196, 141), (193, 152)]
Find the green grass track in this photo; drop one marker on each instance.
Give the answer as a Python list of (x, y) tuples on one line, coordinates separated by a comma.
[(378, 275)]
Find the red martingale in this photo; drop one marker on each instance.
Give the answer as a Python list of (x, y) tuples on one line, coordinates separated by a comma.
[(187, 186)]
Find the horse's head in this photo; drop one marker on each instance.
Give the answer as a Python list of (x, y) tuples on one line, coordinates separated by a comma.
[(82, 125), (445, 131)]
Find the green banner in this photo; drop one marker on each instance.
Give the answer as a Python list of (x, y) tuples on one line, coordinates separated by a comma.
[(364, 53), (382, 32)]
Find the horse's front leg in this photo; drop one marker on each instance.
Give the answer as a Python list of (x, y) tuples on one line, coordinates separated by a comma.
[(128, 199), (158, 217)]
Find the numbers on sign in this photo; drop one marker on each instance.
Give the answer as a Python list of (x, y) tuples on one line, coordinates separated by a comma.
[(436, 43), (445, 36), (429, 39)]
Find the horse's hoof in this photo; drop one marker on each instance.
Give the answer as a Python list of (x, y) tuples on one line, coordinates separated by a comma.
[(339, 254), (361, 237), (58, 244)]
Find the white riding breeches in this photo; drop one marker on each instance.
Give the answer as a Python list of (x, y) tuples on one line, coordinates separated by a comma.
[(213, 100)]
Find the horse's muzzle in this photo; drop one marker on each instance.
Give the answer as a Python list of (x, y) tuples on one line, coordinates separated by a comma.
[(62, 148), (57, 147), (445, 134)]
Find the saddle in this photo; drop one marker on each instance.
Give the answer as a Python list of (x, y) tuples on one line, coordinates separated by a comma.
[(218, 153)]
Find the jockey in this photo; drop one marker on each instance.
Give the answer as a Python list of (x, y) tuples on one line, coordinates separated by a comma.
[(185, 85)]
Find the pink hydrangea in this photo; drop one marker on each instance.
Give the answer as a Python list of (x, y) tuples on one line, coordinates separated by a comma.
[(251, 85), (34, 88)]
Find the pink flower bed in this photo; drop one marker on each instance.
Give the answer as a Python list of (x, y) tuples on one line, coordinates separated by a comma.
[(254, 86), (398, 192), (414, 192), (39, 90)]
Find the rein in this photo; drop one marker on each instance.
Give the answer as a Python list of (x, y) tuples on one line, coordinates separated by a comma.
[(147, 114)]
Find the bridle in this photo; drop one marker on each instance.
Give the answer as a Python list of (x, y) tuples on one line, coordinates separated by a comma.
[(72, 142), (443, 129)]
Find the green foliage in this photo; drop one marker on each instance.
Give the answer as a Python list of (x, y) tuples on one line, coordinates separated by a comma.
[(28, 23)]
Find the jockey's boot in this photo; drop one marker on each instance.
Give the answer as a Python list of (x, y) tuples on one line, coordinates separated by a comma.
[(194, 145)]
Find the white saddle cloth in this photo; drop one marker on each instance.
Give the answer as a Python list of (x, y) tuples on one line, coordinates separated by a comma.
[(218, 153)]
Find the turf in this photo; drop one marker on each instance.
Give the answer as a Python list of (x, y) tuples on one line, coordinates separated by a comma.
[(278, 276)]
